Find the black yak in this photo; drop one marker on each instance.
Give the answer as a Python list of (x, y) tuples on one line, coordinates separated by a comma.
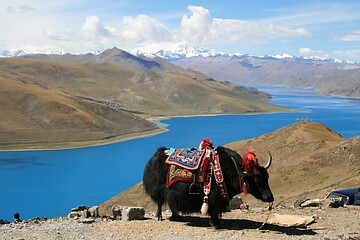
[(235, 176)]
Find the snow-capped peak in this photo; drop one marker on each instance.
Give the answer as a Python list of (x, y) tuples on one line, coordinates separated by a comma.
[(20, 53), (178, 51), (282, 56), (12, 53)]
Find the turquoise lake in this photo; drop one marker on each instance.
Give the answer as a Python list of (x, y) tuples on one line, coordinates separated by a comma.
[(50, 183)]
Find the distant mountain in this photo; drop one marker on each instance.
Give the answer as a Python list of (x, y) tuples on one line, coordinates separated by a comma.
[(21, 53), (12, 53), (51, 100), (329, 76), (114, 55), (185, 51), (164, 92)]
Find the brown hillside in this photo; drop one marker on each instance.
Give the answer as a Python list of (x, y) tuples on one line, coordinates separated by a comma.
[(116, 56), (56, 103), (33, 116), (324, 76), (308, 159), (150, 93)]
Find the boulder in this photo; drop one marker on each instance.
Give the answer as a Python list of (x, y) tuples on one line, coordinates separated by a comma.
[(312, 203), (73, 214), (79, 208), (94, 211), (132, 213), (85, 213), (116, 211), (235, 202)]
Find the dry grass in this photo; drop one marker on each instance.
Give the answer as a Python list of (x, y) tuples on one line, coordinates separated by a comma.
[(50, 104), (308, 159)]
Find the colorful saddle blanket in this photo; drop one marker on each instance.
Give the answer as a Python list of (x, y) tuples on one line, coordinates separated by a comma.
[(188, 158), (184, 163)]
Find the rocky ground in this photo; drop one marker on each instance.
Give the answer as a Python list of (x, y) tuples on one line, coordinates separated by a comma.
[(329, 223), (309, 161)]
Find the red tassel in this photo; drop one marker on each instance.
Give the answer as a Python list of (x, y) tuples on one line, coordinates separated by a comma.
[(245, 190), (206, 143)]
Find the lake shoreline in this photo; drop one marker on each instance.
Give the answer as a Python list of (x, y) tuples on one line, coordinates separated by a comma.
[(122, 138)]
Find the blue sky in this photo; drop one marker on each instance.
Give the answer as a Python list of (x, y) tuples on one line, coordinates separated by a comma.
[(325, 28)]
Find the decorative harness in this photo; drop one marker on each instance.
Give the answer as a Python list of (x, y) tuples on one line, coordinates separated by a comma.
[(210, 165), (215, 167)]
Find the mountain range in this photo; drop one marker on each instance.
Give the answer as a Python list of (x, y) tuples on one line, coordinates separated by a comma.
[(328, 76), (319, 73), (54, 100), (186, 51)]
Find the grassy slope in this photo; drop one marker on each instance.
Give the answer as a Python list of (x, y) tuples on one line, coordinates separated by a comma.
[(33, 116), (41, 98), (308, 159), (154, 93)]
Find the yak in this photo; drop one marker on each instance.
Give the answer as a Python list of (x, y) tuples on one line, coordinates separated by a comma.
[(254, 177)]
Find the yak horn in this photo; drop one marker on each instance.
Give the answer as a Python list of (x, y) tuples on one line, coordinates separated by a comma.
[(267, 165), (240, 173)]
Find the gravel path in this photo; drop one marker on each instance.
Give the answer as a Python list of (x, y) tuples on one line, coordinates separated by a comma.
[(330, 223)]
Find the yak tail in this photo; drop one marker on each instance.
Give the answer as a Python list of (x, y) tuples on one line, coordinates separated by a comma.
[(204, 208)]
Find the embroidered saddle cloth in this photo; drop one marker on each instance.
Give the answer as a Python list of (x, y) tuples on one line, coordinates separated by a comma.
[(188, 158), (184, 163)]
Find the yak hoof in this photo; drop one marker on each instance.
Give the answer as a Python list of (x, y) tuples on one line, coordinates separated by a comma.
[(175, 218), (215, 224)]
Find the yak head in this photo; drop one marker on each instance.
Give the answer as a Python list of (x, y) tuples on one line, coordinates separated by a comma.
[(255, 178)]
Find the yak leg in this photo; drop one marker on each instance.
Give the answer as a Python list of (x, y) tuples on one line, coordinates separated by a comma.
[(215, 221), (214, 217), (159, 211), (175, 216)]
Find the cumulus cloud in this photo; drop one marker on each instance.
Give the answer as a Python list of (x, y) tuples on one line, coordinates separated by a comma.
[(144, 29), (94, 29), (140, 30), (201, 26)]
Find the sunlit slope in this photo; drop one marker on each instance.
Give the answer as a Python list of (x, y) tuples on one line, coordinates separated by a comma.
[(159, 93), (309, 159), (33, 116)]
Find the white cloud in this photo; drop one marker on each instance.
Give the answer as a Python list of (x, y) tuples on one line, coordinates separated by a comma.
[(94, 29), (316, 14), (144, 29), (22, 9), (66, 35), (307, 52), (348, 54), (352, 36), (201, 27), (131, 31)]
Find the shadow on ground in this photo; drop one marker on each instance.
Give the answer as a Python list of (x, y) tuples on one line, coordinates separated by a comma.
[(242, 224)]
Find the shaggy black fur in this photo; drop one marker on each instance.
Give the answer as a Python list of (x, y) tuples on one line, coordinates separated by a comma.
[(178, 197)]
